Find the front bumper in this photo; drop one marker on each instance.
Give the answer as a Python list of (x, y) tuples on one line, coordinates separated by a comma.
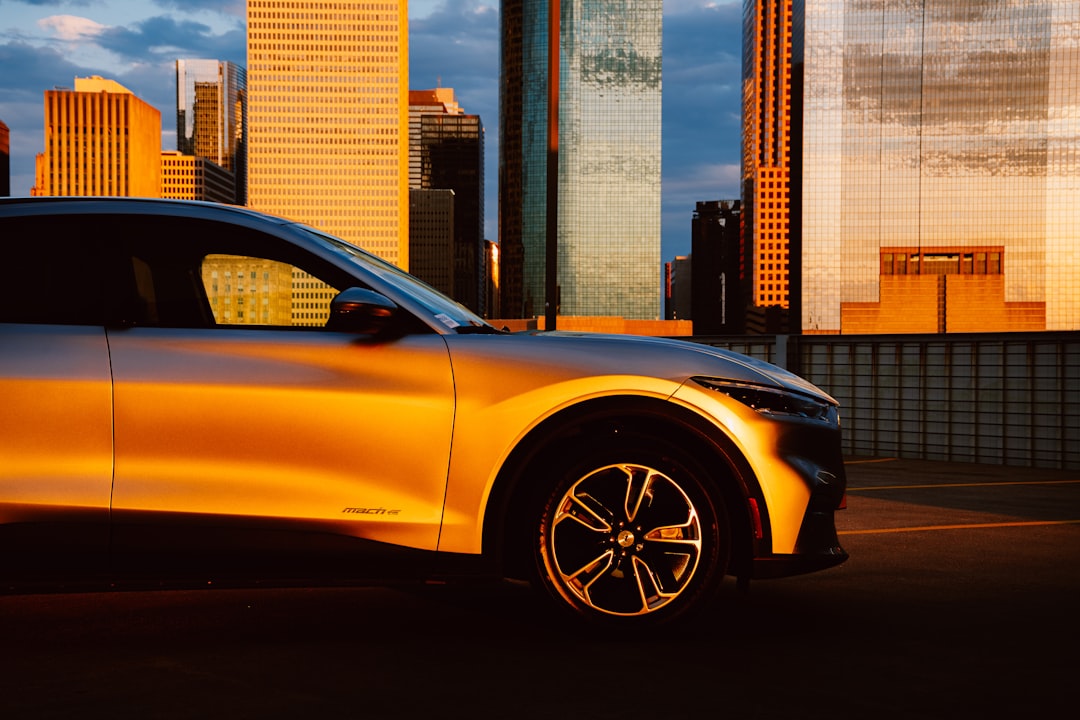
[(817, 546)]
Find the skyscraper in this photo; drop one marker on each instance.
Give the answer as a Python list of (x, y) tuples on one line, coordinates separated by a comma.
[(446, 148), (580, 148), (99, 140), (328, 118), (933, 163), (211, 115), (951, 134), (767, 176)]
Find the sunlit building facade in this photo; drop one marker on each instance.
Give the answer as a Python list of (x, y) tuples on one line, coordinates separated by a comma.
[(211, 116), (768, 270), (100, 139), (328, 118), (605, 145), (941, 165), (186, 177)]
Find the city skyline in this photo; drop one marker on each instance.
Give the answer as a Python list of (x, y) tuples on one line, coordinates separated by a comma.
[(137, 44)]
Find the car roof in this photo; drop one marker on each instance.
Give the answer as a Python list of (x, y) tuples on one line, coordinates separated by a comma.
[(40, 206)]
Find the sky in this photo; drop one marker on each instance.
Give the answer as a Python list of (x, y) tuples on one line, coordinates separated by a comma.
[(452, 44)]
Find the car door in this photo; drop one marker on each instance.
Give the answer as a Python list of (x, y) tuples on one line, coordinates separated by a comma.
[(56, 400), (252, 439)]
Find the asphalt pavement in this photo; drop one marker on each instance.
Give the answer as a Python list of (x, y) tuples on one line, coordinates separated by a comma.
[(959, 601)]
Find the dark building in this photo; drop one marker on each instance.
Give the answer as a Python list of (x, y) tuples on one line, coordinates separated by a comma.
[(5, 160), (717, 295), (447, 153), (431, 238), (677, 285)]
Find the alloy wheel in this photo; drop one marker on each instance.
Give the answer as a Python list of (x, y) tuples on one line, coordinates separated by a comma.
[(625, 540)]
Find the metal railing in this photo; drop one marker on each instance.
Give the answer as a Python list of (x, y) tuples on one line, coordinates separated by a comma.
[(1008, 398)]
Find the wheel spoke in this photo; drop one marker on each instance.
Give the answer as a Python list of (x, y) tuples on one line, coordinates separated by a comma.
[(617, 590), (587, 510)]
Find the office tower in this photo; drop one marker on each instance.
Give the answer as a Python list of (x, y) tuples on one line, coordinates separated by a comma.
[(99, 140), (446, 152), (939, 165), (678, 280), (767, 178), (186, 177), (211, 116), (431, 238), (593, 171), (328, 118), (717, 298), (5, 160)]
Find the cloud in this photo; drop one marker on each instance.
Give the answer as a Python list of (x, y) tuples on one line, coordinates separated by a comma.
[(166, 38), (235, 8), (71, 27)]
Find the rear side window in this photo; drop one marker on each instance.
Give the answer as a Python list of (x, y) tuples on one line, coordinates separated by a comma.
[(52, 271)]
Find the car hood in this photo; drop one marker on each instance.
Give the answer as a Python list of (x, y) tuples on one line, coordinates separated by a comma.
[(581, 354)]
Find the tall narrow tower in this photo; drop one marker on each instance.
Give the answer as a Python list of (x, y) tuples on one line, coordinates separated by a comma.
[(328, 134), (211, 115), (580, 118), (767, 174), (99, 140)]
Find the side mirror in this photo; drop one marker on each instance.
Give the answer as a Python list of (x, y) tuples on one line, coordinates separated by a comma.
[(361, 311)]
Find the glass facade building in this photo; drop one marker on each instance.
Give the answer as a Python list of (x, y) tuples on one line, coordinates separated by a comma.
[(941, 165), (607, 150), (211, 115)]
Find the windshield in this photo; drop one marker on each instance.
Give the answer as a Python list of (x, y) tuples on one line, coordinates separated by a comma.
[(453, 315)]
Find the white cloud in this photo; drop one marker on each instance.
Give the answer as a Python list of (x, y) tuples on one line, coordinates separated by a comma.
[(72, 27)]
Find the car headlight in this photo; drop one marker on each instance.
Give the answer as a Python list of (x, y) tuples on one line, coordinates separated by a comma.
[(774, 401)]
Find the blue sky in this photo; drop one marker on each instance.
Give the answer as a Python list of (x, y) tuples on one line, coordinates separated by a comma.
[(453, 43)]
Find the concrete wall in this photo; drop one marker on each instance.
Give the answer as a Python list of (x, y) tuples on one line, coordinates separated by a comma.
[(1008, 398)]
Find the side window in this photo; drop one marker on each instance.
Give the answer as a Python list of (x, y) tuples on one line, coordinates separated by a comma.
[(245, 290), (52, 272)]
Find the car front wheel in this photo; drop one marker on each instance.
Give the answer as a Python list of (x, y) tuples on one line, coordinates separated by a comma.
[(631, 536)]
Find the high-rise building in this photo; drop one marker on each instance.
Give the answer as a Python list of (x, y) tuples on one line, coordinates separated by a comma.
[(5, 160), (446, 152), (942, 166), (211, 116), (716, 296), (431, 238), (933, 163), (99, 140), (769, 132), (187, 177), (678, 279), (580, 148), (328, 118)]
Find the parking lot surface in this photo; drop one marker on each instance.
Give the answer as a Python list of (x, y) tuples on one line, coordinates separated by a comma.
[(959, 600)]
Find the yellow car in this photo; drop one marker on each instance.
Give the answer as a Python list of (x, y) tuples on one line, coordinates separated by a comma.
[(196, 391)]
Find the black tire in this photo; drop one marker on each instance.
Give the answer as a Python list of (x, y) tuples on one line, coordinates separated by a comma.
[(631, 536)]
